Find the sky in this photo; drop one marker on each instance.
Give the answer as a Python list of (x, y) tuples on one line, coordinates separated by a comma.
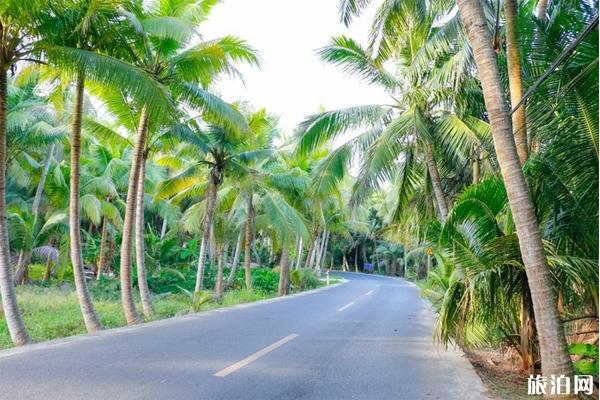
[(292, 82)]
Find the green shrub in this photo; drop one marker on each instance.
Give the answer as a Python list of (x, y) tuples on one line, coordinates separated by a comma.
[(304, 279), (265, 280)]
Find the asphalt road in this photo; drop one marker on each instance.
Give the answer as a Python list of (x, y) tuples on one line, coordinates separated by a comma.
[(369, 338)]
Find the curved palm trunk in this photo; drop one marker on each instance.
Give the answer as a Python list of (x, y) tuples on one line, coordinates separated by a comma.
[(210, 211), (284, 272), (553, 346), (103, 256), (219, 279), (235, 261), (92, 322), (515, 80), (248, 243), (436, 182), (12, 314), (140, 247), (42, 182), (131, 314)]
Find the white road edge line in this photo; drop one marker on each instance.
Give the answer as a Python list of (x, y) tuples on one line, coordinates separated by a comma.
[(369, 292), (346, 306), (241, 364)]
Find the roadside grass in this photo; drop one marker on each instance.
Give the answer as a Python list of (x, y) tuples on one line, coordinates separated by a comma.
[(53, 312)]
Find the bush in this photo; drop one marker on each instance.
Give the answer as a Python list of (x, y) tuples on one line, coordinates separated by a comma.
[(304, 279), (265, 280)]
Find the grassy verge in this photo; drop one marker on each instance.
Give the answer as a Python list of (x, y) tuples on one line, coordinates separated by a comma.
[(53, 312)]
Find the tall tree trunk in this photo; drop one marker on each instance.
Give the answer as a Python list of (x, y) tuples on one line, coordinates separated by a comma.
[(299, 252), (103, 256), (219, 280), (48, 270), (553, 346), (321, 247), (323, 252), (526, 331), (206, 229), (284, 272), (131, 314), (316, 250), (309, 253), (248, 242), (436, 182), (235, 261), (92, 322), (22, 266), (540, 10), (515, 79), (140, 246), (42, 182), (163, 228), (356, 259)]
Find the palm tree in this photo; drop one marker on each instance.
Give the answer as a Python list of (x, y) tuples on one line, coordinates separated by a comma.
[(553, 347), (165, 52), (17, 25), (428, 128)]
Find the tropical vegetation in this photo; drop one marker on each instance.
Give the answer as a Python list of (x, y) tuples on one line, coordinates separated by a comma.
[(127, 177)]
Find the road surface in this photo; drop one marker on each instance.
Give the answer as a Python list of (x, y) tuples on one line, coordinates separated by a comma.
[(369, 338)]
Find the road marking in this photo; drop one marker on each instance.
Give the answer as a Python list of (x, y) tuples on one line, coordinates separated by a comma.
[(241, 364), (346, 306), (369, 292)]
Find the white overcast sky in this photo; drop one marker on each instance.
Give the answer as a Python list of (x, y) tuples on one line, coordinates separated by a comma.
[(292, 81)]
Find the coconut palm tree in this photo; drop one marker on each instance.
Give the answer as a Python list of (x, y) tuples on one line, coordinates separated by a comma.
[(553, 348), (17, 26), (168, 52), (428, 128)]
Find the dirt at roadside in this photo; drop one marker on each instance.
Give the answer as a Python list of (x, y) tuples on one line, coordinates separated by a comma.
[(499, 371)]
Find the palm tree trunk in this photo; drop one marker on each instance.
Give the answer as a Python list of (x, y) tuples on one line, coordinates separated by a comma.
[(92, 322), (323, 251), (299, 257), (284, 272), (42, 182), (48, 270), (207, 226), (553, 346), (22, 266), (103, 256), (248, 242), (316, 250), (540, 10), (309, 253), (526, 331), (131, 314), (235, 261), (515, 79), (140, 247), (163, 228), (219, 280), (320, 248), (356, 259), (436, 182)]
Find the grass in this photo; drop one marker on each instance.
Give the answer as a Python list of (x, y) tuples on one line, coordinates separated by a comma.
[(53, 312)]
